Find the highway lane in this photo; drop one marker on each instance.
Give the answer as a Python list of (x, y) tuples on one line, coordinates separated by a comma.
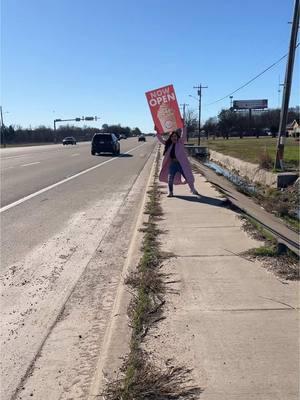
[(48, 241), (29, 169), (32, 222)]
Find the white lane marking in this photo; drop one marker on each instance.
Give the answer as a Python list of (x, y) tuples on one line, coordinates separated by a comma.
[(7, 158), (32, 163), (75, 154), (16, 203)]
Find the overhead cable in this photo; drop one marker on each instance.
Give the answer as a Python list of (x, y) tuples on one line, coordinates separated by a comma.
[(251, 80)]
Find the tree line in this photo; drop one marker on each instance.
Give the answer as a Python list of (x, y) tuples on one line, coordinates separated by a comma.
[(42, 134), (238, 124)]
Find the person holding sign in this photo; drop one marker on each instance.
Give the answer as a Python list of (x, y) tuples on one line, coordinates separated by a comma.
[(166, 116), (175, 164)]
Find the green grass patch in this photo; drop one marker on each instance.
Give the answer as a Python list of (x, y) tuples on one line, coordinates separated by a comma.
[(292, 222), (252, 149), (265, 251)]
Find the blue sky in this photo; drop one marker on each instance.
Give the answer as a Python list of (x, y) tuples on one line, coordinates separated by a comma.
[(69, 58)]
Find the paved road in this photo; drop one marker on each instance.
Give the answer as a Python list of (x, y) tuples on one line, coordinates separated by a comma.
[(26, 171), (58, 205)]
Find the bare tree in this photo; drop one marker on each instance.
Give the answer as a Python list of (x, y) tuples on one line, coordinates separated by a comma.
[(191, 122)]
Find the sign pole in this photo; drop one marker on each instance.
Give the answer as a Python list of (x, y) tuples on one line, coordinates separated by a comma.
[(3, 138), (183, 114)]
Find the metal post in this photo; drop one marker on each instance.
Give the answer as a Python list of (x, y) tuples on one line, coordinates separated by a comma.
[(2, 129), (287, 89), (249, 121), (183, 112), (54, 130), (199, 122), (199, 88)]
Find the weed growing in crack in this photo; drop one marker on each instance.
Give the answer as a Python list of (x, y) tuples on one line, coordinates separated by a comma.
[(146, 381), (142, 380)]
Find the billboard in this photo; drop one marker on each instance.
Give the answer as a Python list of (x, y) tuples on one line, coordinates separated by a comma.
[(164, 109), (250, 104)]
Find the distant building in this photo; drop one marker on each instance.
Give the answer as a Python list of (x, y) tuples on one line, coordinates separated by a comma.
[(293, 128)]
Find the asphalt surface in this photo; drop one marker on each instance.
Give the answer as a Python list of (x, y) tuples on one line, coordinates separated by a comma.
[(28, 170), (67, 219), (25, 170)]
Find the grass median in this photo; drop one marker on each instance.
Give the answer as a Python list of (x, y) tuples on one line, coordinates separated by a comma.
[(253, 149)]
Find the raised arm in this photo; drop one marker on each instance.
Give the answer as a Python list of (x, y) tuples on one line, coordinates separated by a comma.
[(183, 135), (159, 136)]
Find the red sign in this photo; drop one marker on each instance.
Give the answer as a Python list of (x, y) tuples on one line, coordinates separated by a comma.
[(164, 109)]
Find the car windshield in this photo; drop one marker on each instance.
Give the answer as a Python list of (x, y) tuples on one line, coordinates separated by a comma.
[(69, 138), (102, 138)]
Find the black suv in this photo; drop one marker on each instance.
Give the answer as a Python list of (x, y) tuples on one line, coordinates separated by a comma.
[(105, 143)]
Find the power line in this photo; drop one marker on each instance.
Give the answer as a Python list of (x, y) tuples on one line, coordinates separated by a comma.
[(251, 80)]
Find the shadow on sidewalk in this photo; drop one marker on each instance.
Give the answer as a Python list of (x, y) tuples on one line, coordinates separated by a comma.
[(205, 200)]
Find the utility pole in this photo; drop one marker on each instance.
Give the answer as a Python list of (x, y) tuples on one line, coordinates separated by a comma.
[(199, 91), (183, 109), (279, 90), (183, 113), (287, 89), (3, 138)]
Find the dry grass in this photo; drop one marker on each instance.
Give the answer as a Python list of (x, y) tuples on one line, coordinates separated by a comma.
[(147, 381), (285, 265), (265, 160), (256, 231), (283, 203), (142, 379)]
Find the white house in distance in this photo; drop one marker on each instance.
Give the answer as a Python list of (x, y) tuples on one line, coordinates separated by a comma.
[(293, 128)]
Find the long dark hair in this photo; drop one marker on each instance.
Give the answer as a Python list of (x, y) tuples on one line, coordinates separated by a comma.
[(169, 141)]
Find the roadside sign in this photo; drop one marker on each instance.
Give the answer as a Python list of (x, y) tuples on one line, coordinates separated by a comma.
[(164, 109), (250, 104)]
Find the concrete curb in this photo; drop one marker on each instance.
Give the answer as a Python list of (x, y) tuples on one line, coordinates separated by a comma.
[(117, 337)]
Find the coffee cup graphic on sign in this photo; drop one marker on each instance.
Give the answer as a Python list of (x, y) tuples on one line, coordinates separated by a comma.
[(167, 118)]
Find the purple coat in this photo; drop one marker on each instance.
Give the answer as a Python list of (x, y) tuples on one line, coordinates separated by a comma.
[(181, 156)]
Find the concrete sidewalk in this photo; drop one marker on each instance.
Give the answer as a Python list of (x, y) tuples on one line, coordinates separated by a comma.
[(232, 321), (276, 226)]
